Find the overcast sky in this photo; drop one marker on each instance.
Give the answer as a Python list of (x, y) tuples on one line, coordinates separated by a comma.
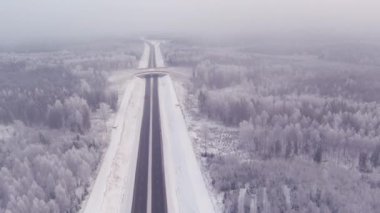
[(39, 19)]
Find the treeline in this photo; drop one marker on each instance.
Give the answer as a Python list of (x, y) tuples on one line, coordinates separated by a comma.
[(46, 171), (53, 111), (305, 124), (363, 53), (74, 114), (291, 186), (182, 57), (103, 62), (217, 76), (104, 55), (53, 96), (291, 125), (189, 53)]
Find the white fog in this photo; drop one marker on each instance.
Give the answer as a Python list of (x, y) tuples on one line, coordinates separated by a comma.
[(189, 106)]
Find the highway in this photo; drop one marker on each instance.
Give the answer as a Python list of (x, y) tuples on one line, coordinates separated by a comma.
[(149, 194), (152, 56), (149, 166), (158, 184)]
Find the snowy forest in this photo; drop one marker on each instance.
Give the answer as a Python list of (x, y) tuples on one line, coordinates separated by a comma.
[(302, 119), (54, 104), (233, 106)]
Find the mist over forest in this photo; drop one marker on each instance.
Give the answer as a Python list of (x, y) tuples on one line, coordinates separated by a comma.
[(280, 98), (46, 20), (283, 126)]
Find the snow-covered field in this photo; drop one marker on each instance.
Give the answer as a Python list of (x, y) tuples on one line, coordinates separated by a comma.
[(186, 188)]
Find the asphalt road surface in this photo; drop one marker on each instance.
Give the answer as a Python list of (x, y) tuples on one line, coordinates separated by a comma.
[(152, 56), (159, 204), (140, 191), (149, 193)]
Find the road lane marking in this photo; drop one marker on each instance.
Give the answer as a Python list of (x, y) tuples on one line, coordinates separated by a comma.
[(149, 200)]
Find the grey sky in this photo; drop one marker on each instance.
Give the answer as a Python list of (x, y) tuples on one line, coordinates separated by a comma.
[(38, 19)]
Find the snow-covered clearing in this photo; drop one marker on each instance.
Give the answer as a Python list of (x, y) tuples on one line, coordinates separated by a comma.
[(186, 189)]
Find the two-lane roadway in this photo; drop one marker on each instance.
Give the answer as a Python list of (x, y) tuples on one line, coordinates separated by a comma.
[(149, 194)]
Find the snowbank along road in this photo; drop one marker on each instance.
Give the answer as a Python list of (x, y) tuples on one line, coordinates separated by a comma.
[(150, 165)]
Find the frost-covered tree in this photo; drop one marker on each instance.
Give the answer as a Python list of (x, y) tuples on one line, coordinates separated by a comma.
[(56, 115)]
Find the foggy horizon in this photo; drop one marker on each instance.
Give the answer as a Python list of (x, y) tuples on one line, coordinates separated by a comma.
[(189, 106), (55, 20)]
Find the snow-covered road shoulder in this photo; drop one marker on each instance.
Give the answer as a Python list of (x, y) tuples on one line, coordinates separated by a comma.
[(186, 189), (157, 50), (144, 60), (113, 187)]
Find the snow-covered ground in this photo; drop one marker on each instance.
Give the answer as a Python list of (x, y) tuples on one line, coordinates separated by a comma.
[(113, 187), (220, 140), (112, 191), (186, 188), (159, 59), (144, 60)]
